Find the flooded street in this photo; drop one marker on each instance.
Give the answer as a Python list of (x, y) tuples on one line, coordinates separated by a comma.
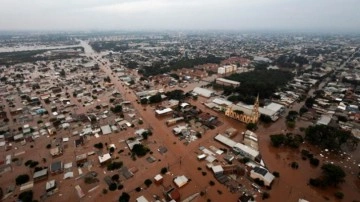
[(293, 183)]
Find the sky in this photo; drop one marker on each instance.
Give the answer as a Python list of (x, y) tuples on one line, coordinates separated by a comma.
[(242, 15)]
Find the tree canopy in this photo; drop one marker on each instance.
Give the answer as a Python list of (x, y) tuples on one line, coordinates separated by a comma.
[(175, 94), (289, 139), (140, 150), (262, 82), (116, 109), (155, 98), (21, 179), (125, 197), (332, 174), (326, 136)]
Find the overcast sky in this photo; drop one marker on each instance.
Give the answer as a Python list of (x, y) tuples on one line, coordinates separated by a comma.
[(305, 15)]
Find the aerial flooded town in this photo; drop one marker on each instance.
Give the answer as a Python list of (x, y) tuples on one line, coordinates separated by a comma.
[(179, 101), (179, 117)]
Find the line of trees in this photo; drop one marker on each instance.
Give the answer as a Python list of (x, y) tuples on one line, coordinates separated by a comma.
[(290, 140)]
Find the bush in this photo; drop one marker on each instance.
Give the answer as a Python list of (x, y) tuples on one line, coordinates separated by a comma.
[(138, 189), (115, 177), (125, 197), (315, 182), (163, 170), (114, 165), (99, 145), (112, 187), (294, 165), (265, 195), (211, 183), (148, 182), (120, 187), (140, 150), (251, 126), (104, 191), (314, 161), (339, 195), (26, 196), (305, 152), (265, 118), (33, 164), (116, 109), (290, 124), (28, 162), (48, 146), (21, 179), (276, 174), (259, 182)]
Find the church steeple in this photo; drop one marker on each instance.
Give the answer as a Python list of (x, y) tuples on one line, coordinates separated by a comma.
[(255, 110)]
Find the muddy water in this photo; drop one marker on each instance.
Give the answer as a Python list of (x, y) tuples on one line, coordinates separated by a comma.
[(291, 185)]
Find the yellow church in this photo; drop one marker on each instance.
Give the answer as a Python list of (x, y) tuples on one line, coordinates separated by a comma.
[(244, 113)]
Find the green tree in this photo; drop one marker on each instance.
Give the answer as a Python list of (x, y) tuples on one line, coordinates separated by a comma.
[(116, 109), (62, 73), (125, 197), (251, 126), (314, 161), (327, 136), (303, 110), (310, 102), (265, 195), (145, 135), (26, 196), (148, 182), (265, 118), (144, 101), (155, 98), (140, 150), (115, 177), (277, 140), (21, 179), (163, 170), (332, 174), (99, 145), (112, 186)]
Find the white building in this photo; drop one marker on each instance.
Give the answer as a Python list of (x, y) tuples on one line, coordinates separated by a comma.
[(227, 69), (227, 82), (203, 92), (262, 174), (273, 110), (240, 148)]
